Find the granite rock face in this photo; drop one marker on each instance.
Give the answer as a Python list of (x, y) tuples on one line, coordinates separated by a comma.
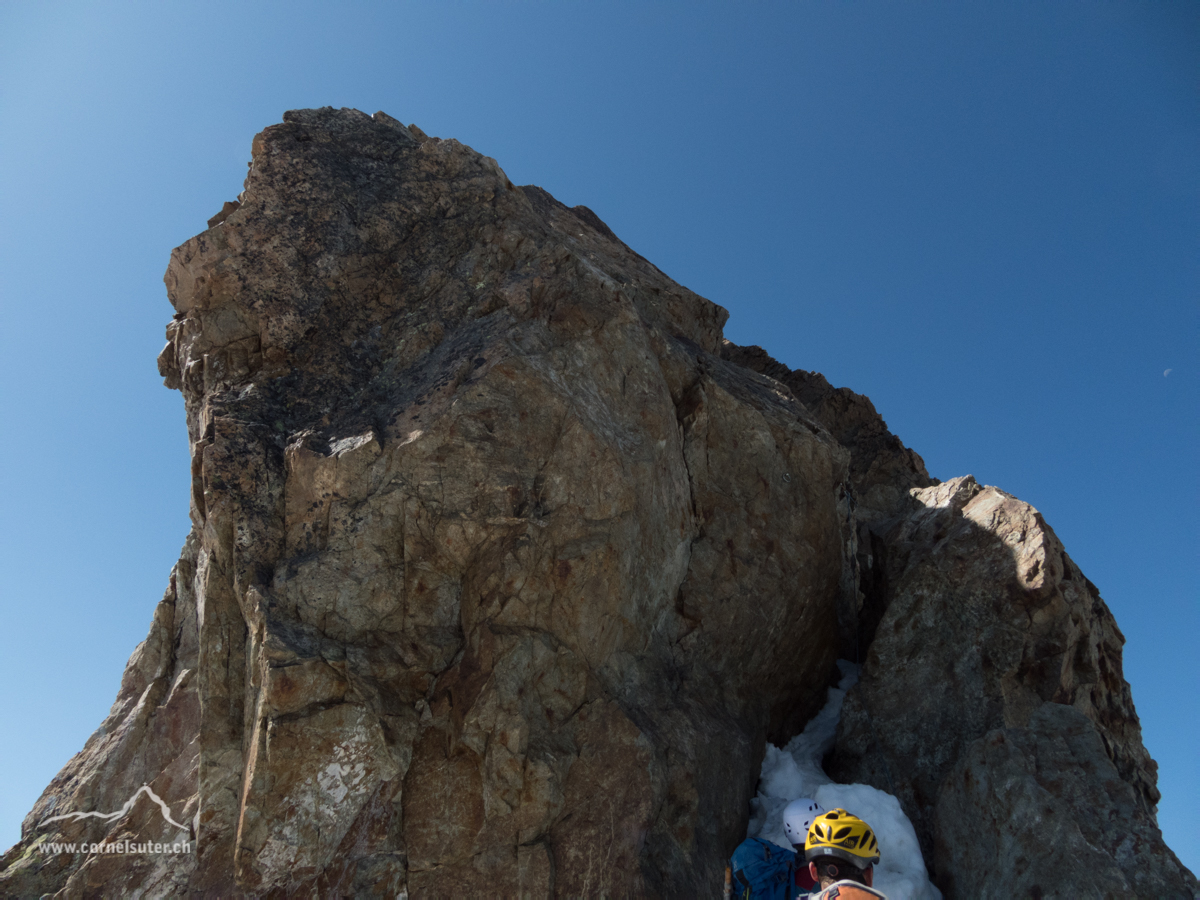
[(883, 472), (496, 564), (882, 469), (498, 560), (990, 633), (1016, 792)]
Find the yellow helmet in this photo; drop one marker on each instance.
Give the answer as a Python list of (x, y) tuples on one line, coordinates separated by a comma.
[(838, 833)]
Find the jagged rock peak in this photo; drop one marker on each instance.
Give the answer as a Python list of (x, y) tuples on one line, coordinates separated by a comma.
[(496, 566), (504, 566)]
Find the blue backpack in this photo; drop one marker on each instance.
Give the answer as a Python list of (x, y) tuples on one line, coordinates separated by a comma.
[(763, 871)]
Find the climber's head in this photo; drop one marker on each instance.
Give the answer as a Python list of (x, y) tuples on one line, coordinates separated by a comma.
[(840, 847), (797, 817)]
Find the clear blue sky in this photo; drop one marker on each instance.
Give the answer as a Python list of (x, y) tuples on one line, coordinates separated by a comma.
[(983, 216)]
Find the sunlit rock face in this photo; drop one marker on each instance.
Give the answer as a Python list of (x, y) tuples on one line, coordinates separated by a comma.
[(505, 566), (497, 568)]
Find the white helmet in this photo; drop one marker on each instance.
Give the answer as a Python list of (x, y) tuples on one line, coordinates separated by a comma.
[(797, 816)]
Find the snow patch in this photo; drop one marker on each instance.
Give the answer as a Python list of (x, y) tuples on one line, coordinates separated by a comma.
[(795, 771)]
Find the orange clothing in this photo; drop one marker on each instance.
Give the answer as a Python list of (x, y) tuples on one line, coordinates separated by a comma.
[(849, 890)]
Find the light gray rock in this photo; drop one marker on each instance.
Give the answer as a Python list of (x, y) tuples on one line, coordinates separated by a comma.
[(987, 621), (1041, 811)]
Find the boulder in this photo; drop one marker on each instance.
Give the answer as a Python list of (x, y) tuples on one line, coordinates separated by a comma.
[(988, 622)]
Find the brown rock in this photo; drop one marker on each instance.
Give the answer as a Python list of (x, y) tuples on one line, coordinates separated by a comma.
[(882, 469), (1003, 623), (882, 472), (227, 209), (498, 562), (496, 566)]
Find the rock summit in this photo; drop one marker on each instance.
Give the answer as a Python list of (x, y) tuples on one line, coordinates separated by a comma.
[(505, 566)]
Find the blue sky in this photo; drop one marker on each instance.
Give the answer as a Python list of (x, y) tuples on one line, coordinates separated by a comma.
[(983, 216)]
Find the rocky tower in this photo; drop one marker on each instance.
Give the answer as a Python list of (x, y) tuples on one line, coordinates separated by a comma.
[(498, 561)]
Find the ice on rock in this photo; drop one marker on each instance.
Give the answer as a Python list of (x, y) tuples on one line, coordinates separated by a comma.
[(795, 771)]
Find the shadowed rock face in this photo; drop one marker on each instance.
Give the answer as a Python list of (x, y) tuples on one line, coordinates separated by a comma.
[(1049, 784), (882, 470), (504, 566), (992, 642)]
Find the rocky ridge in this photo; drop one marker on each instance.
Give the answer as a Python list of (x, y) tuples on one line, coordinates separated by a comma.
[(497, 559)]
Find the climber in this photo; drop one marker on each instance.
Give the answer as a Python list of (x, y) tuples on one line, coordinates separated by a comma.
[(841, 851), (765, 871), (798, 816)]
